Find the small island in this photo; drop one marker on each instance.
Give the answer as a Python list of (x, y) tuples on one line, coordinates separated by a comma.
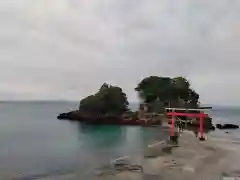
[(109, 105)]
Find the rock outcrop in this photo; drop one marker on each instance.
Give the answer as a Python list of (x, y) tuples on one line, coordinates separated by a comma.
[(227, 126), (73, 115), (120, 164), (90, 118), (108, 119)]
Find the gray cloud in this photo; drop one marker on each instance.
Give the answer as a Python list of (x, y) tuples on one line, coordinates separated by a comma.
[(65, 49)]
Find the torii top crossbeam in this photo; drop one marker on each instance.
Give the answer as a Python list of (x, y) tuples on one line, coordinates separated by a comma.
[(186, 109)]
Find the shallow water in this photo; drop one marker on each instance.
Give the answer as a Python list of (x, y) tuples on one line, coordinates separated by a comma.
[(33, 143)]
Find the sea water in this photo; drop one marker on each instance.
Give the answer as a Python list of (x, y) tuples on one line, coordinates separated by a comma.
[(34, 143), (225, 115)]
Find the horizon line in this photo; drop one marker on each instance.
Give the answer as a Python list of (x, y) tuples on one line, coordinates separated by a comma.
[(59, 100)]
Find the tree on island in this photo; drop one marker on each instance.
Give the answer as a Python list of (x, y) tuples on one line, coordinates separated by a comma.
[(155, 91), (170, 92), (109, 100), (109, 104)]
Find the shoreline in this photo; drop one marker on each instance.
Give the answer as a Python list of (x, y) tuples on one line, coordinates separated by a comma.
[(191, 160), (212, 159)]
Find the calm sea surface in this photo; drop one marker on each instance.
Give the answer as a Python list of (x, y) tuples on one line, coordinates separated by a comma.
[(226, 115), (34, 143)]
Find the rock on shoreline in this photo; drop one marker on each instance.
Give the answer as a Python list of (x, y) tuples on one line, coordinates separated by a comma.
[(108, 119), (72, 115), (227, 126), (90, 118), (192, 159)]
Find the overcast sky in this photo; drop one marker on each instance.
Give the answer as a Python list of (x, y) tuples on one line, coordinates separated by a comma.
[(65, 49)]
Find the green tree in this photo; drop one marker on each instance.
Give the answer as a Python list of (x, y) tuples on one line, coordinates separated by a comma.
[(181, 82), (108, 100), (154, 88), (174, 92)]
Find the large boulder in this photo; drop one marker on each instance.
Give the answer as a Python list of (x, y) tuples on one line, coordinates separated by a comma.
[(227, 126), (120, 161), (159, 149), (123, 163)]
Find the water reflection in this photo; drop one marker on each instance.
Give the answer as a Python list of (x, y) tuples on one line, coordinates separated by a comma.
[(120, 140), (100, 136), (98, 144)]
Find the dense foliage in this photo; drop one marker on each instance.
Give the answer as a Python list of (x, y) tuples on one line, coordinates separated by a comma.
[(108, 100), (109, 104), (170, 92), (158, 92)]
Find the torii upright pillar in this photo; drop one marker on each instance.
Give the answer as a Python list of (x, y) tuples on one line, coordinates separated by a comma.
[(173, 126), (201, 138)]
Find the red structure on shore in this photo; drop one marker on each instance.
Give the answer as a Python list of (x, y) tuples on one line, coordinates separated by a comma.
[(199, 115)]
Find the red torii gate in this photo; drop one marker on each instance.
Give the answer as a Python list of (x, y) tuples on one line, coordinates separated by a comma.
[(200, 115)]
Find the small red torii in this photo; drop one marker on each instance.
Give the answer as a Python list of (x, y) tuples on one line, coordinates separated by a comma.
[(200, 115)]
